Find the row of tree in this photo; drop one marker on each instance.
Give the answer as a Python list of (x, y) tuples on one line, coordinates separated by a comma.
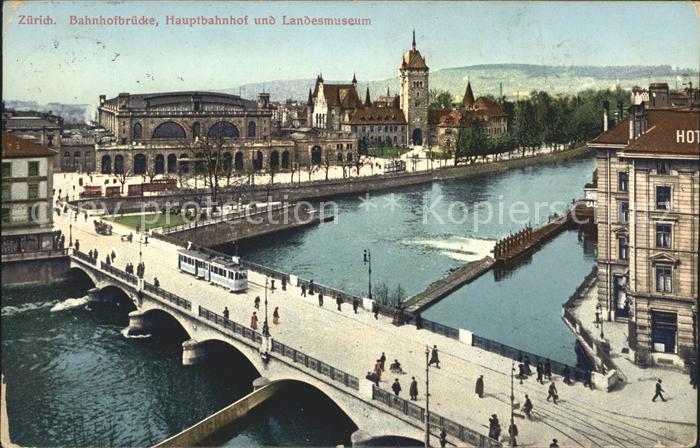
[(538, 120)]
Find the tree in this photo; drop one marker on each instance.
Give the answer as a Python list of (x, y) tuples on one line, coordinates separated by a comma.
[(472, 141), (525, 127), (208, 156), (123, 176), (327, 162), (440, 99)]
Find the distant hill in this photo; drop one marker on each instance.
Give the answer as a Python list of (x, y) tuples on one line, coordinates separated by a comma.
[(517, 79)]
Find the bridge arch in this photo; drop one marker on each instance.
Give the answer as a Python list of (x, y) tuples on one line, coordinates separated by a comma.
[(80, 274), (120, 293), (387, 440), (155, 315)]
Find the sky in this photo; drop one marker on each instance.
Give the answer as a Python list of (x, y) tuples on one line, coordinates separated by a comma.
[(68, 63)]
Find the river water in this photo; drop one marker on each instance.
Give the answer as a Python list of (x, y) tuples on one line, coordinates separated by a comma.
[(73, 379)]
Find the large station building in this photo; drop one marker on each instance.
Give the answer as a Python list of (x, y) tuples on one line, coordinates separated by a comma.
[(159, 133)]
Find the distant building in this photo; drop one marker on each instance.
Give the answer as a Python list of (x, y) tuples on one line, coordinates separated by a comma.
[(77, 153), (648, 221), (27, 197), (403, 119), (41, 128)]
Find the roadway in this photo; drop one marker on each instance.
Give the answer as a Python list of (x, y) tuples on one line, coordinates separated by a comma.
[(352, 342)]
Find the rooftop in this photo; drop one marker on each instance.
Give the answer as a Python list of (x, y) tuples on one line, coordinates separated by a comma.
[(14, 147)]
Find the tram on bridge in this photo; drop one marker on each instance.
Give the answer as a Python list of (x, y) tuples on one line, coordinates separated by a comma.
[(217, 270)]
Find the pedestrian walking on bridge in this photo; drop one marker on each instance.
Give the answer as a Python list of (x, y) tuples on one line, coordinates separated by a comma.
[(226, 313), (276, 316), (553, 394), (443, 437), (320, 299), (434, 357), (567, 375), (382, 361), (528, 371), (311, 287), (378, 370), (257, 302), (396, 387), (548, 369), (554, 444), (355, 305), (413, 389), (339, 302), (156, 282), (77, 245), (527, 407), (254, 321), (479, 389), (113, 256), (108, 260), (303, 290), (540, 373), (659, 392), (494, 427)]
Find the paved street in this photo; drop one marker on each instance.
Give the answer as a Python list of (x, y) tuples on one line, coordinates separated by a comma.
[(625, 417)]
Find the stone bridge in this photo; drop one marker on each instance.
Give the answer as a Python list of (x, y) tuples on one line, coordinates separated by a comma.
[(377, 414)]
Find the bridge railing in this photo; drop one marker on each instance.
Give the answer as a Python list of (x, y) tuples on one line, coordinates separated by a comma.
[(417, 412), (228, 324), (329, 292), (129, 278), (85, 257), (444, 330), (170, 297), (324, 369), (518, 355)]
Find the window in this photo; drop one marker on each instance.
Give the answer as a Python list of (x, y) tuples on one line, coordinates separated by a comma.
[(50, 141), (30, 214), (622, 248), (624, 212), (5, 215), (33, 191), (663, 167), (663, 235), (6, 169), (663, 278), (663, 198), (33, 168), (622, 181), (664, 327)]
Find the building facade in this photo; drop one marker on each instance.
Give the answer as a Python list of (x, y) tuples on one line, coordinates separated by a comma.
[(27, 195), (162, 134), (648, 221)]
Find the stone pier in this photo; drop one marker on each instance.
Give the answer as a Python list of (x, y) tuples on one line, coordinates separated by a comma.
[(192, 352), (138, 323)]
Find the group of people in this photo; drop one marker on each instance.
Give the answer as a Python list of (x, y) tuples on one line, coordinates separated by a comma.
[(376, 374), (254, 316), (310, 290), (140, 269)]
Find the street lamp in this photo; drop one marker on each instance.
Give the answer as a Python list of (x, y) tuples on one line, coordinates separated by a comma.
[(266, 326), (512, 430), (70, 228), (599, 310), (368, 262), (427, 398)]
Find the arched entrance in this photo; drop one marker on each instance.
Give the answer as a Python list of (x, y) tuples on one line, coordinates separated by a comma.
[(316, 155), (285, 160), (258, 161), (417, 137), (119, 164), (339, 157), (139, 164), (159, 164), (238, 161), (251, 129), (274, 160), (349, 157), (172, 163), (106, 165)]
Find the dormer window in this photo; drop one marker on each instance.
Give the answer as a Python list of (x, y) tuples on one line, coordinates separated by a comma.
[(663, 167)]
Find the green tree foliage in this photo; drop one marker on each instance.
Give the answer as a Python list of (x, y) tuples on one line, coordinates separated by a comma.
[(472, 142), (440, 99)]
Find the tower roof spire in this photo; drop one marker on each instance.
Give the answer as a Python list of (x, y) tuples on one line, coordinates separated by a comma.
[(354, 79), (413, 45), (368, 102)]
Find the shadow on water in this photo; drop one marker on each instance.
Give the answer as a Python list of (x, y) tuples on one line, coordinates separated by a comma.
[(298, 415)]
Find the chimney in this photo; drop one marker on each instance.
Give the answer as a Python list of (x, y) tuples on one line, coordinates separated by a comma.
[(637, 121), (606, 115), (620, 111)]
